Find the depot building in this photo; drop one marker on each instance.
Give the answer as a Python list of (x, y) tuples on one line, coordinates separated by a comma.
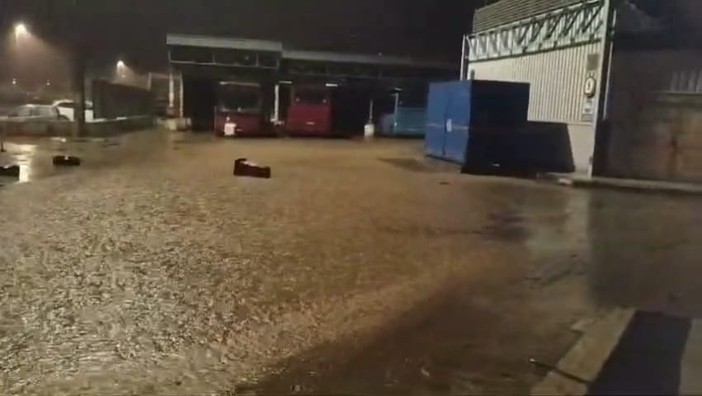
[(263, 87)]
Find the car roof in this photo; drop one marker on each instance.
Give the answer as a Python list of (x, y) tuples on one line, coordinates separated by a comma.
[(34, 105)]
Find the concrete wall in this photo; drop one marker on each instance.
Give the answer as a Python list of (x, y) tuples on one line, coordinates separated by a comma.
[(557, 80), (667, 146), (653, 133)]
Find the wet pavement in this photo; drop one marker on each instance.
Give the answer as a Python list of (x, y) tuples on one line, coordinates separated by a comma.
[(358, 268)]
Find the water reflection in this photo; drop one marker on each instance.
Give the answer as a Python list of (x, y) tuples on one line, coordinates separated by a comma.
[(33, 163), (559, 244), (24, 157)]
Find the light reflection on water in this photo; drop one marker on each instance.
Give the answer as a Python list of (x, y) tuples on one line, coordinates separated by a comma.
[(23, 155), (25, 160)]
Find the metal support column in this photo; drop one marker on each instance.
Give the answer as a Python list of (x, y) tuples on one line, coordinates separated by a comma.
[(171, 90), (276, 104), (181, 97), (601, 126), (464, 60), (79, 92)]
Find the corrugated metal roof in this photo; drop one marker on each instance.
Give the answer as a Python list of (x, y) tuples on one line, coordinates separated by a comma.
[(508, 11)]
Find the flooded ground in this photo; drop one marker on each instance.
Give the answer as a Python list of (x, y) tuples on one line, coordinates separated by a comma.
[(358, 268)]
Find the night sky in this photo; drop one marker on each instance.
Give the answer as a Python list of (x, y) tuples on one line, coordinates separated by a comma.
[(136, 29)]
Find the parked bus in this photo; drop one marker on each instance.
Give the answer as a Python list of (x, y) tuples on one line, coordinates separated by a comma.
[(239, 109), (409, 116), (310, 111)]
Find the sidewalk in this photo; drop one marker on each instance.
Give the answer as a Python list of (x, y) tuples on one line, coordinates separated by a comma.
[(658, 354), (583, 181)]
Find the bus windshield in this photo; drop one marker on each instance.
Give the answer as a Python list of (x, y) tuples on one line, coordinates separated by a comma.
[(312, 96), (239, 98)]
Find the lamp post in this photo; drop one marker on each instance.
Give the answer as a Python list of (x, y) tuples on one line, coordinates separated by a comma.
[(21, 30), (121, 70)]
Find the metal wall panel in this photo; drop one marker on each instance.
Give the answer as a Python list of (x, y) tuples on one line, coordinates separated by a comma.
[(557, 79), (435, 137), (557, 95), (686, 81), (458, 120)]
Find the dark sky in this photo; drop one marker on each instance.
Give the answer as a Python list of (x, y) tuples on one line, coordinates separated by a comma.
[(135, 29)]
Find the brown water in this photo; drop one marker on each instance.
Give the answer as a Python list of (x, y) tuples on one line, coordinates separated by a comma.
[(359, 267)]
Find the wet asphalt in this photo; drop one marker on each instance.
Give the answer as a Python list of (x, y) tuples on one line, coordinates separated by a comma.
[(358, 268)]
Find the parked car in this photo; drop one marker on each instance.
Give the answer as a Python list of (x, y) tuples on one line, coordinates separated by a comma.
[(67, 108), (32, 112)]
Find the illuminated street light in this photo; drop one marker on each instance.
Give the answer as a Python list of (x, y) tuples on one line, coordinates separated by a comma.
[(14, 81), (122, 70), (21, 30)]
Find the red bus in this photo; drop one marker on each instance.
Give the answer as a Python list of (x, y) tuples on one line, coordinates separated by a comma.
[(239, 109), (310, 111)]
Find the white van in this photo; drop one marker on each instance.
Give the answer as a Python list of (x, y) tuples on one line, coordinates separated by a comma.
[(67, 107)]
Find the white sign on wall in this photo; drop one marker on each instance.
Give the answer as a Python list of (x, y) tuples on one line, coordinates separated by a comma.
[(590, 92)]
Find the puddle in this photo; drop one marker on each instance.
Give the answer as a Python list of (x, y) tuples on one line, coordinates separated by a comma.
[(33, 160), (505, 226)]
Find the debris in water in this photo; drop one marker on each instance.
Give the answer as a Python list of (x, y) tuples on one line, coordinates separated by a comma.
[(425, 372), (66, 160), (10, 171), (242, 167)]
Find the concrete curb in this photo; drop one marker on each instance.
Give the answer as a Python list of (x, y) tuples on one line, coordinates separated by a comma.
[(624, 184), (584, 361)]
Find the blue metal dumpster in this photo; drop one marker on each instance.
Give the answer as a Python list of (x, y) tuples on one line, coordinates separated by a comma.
[(437, 109), (462, 112)]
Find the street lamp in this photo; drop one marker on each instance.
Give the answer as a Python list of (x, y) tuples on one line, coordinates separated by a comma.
[(21, 30), (121, 70)]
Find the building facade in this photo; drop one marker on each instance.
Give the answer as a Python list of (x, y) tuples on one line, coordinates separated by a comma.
[(594, 66)]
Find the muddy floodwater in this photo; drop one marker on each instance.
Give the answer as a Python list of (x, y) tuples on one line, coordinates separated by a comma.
[(359, 267)]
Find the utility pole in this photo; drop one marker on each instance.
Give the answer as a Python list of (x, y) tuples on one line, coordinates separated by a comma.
[(78, 67), (78, 59)]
